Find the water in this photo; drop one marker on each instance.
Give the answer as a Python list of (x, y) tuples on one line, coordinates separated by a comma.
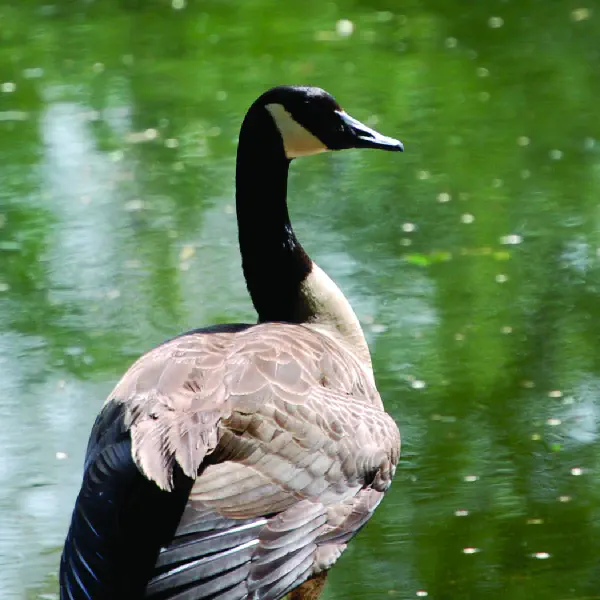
[(472, 259)]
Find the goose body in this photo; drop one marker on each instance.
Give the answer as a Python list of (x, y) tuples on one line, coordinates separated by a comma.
[(236, 462)]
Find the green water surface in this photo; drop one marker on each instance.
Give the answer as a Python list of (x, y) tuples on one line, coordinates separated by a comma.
[(473, 260)]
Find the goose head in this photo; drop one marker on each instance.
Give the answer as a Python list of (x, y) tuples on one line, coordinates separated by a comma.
[(309, 121)]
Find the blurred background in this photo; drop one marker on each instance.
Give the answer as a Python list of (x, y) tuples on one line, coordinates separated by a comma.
[(473, 260)]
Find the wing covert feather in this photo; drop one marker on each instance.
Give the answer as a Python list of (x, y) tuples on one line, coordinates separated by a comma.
[(281, 389)]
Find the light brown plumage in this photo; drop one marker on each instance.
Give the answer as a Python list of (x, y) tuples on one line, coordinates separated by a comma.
[(287, 406)]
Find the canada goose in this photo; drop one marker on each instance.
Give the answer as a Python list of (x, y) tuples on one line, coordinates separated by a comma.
[(237, 461)]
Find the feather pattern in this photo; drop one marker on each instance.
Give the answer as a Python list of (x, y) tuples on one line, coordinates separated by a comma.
[(185, 397)]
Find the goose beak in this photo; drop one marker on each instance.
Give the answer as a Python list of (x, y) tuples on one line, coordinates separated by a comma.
[(365, 137)]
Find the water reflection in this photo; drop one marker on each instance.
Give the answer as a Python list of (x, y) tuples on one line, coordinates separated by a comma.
[(472, 260)]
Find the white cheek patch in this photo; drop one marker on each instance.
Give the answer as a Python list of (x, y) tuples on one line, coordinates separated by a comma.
[(297, 141)]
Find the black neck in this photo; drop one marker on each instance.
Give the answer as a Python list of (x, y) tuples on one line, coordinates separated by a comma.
[(274, 262)]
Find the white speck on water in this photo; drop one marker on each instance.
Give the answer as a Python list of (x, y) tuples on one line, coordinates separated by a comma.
[(422, 593), (178, 4), (470, 478), (580, 14), (459, 337), (221, 95), (553, 422), (134, 205), (408, 227), (461, 512), (523, 140), (482, 72), (61, 455), (564, 498), (467, 218), (139, 137), (501, 278), (406, 241), (4, 287), (576, 471), (132, 263), (172, 143), (511, 239), (555, 394), (74, 350), (495, 22), (536, 437), (116, 155), (417, 384), (589, 143), (506, 329), (535, 521), (451, 42), (229, 209), (98, 67), (568, 400), (187, 252), (444, 197), (423, 175), (33, 73), (540, 555), (92, 115), (113, 294), (497, 183), (344, 28), (8, 87), (556, 154), (378, 328), (525, 174), (471, 550)]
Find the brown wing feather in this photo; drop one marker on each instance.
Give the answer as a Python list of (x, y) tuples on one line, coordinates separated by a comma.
[(174, 397), (270, 389)]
